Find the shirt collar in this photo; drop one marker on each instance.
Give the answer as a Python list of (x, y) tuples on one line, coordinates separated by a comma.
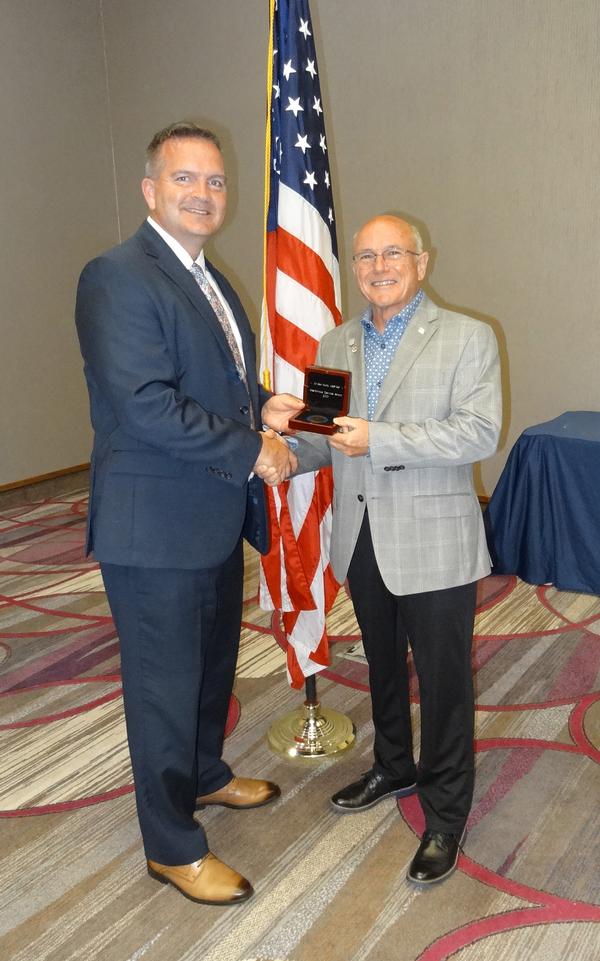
[(179, 251), (402, 317)]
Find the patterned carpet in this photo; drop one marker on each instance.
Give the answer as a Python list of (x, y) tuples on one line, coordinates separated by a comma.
[(72, 876)]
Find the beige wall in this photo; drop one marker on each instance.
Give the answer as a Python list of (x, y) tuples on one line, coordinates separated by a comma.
[(477, 117), (56, 209)]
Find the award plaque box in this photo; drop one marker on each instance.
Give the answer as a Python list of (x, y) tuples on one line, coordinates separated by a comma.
[(326, 395)]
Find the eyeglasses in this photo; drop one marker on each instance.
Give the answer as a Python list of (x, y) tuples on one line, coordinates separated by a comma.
[(367, 258)]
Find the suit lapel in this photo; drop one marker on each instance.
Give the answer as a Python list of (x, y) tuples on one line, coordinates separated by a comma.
[(170, 265), (420, 330), (355, 363)]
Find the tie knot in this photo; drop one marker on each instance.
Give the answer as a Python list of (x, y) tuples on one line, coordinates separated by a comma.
[(197, 271)]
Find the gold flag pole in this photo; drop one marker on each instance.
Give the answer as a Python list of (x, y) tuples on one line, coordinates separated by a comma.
[(311, 731)]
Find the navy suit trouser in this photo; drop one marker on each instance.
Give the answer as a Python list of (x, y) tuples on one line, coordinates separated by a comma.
[(179, 633), (439, 627)]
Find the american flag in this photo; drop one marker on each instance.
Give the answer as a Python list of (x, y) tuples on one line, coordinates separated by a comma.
[(301, 303)]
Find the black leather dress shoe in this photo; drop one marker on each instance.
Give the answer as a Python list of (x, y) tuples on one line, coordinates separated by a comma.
[(436, 857), (370, 789)]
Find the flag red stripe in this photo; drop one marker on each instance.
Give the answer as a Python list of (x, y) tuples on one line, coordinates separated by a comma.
[(299, 574), (321, 655), (298, 578), (292, 344)]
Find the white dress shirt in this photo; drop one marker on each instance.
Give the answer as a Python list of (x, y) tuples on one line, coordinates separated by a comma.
[(187, 261)]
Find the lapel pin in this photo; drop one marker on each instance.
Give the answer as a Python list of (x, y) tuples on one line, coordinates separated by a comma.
[(352, 343), (421, 330)]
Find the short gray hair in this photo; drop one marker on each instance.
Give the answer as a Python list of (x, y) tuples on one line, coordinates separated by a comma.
[(417, 239)]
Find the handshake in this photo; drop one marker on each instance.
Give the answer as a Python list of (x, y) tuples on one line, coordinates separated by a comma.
[(275, 462)]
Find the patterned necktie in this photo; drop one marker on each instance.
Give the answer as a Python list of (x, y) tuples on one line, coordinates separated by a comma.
[(211, 295)]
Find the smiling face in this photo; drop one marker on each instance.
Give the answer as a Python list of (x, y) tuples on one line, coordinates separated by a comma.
[(388, 285), (187, 195)]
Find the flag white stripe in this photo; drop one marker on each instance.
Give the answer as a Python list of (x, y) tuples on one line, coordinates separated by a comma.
[(300, 495), (286, 377), (308, 627)]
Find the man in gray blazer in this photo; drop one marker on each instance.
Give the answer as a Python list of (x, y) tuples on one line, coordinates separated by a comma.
[(407, 526)]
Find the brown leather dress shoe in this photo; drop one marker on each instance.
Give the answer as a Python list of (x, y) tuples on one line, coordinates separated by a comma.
[(242, 792), (208, 881)]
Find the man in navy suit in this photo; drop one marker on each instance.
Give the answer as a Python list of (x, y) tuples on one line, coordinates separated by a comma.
[(176, 481)]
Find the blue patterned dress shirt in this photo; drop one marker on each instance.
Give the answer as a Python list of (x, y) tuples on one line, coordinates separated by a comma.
[(380, 348)]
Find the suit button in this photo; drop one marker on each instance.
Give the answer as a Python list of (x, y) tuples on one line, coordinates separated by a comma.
[(243, 410), (361, 498)]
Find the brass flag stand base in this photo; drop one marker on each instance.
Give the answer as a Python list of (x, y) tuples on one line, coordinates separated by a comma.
[(311, 731)]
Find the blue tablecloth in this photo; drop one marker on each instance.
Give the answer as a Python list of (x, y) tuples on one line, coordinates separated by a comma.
[(543, 518)]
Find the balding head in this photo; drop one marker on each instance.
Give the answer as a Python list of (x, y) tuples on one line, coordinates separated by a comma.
[(416, 241)]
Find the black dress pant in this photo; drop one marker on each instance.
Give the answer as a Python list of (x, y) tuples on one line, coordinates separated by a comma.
[(438, 625), (179, 634)]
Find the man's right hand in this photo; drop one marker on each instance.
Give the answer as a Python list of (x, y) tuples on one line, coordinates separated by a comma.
[(275, 461)]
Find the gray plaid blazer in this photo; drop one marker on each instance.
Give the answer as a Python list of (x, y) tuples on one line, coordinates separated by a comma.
[(439, 412)]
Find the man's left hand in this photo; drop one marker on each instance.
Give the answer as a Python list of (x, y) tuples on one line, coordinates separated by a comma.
[(278, 409), (352, 436)]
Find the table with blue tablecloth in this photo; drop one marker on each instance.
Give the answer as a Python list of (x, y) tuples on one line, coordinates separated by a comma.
[(543, 518)]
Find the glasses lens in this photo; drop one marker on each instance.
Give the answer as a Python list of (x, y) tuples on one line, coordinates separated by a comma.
[(389, 255)]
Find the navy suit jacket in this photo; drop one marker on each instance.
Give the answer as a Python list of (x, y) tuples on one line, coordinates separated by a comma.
[(173, 445)]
